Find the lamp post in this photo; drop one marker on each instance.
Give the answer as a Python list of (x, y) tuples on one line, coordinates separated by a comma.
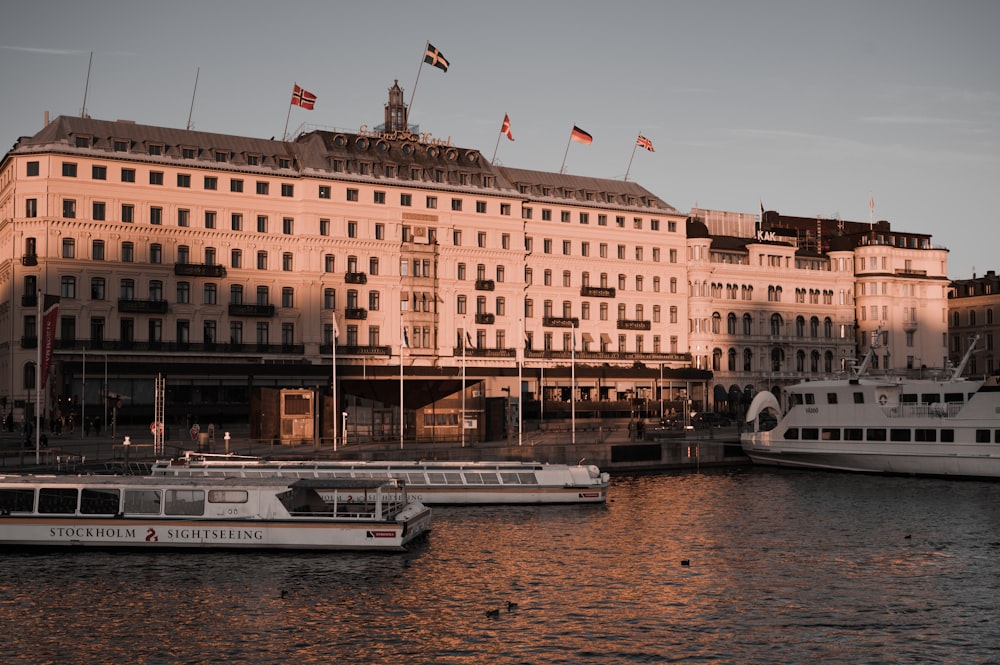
[(343, 429)]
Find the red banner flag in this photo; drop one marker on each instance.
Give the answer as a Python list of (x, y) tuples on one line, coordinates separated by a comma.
[(50, 316), (505, 128), (302, 97)]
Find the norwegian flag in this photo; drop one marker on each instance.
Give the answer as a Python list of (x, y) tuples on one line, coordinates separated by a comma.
[(505, 128), (304, 98), (643, 142)]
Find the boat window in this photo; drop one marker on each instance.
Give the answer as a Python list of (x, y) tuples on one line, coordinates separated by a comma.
[(413, 478), (99, 501), (859, 398), (794, 399), (792, 433), (17, 501), (810, 398), (930, 398), (925, 435), (947, 436), (490, 479), (57, 500), (472, 478), (227, 496), (831, 398), (854, 434), (898, 434), (515, 478), (454, 478), (435, 478), (875, 434), (996, 436), (831, 434), (908, 399), (184, 502), (954, 397), (810, 433), (142, 502), (982, 436)]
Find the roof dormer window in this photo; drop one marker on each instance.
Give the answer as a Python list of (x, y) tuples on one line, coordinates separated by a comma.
[(253, 160), (121, 145), (155, 148)]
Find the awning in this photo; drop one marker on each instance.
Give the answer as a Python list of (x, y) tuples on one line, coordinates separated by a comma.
[(587, 338), (605, 338)]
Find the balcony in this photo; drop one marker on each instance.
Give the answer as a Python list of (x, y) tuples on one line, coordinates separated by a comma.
[(485, 285), (597, 291), (356, 278), (485, 319), (251, 310), (29, 342), (29, 300), (199, 270), (356, 313), (143, 306), (560, 322), (627, 324), (356, 350), (29, 260)]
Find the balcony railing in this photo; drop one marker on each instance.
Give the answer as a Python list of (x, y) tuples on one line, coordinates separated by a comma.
[(598, 291), (199, 270), (29, 300), (629, 324), (485, 319), (29, 260), (251, 310), (485, 285), (356, 278), (356, 350), (356, 313), (143, 306)]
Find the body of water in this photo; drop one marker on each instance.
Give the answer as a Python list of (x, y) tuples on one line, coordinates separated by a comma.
[(739, 566)]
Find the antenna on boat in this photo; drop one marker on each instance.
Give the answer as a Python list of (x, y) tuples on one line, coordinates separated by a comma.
[(957, 374)]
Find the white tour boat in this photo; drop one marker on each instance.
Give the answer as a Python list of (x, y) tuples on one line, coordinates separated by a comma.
[(427, 482), (154, 512), (947, 426)]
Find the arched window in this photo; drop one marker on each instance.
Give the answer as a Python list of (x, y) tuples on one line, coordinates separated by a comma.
[(716, 359), (827, 328), (800, 326), (732, 360), (777, 357), (800, 361), (814, 361), (731, 324), (716, 323), (776, 324), (747, 360), (747, 325), (814, 327)]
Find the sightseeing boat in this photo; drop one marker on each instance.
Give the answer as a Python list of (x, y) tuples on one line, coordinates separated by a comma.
[(427, 482), (157, 512), (944, 426)]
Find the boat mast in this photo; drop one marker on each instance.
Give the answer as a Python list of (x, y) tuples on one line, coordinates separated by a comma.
[(957, 374), (861, 369)]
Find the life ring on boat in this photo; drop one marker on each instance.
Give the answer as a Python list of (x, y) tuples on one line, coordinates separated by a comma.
[(882, 399)]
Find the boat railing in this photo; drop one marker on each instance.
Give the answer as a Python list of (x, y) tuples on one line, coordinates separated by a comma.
[(935, 410)]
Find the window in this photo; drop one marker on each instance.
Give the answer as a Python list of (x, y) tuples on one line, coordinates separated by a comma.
[(236, 258), (329, 298), (31, 208), (32, 169), (456, 205), (287, 296), (156, 177), (328, 263), (287, 189), (378, 197), (287, 225), (261, 223), (211, 182), (97, 250), (98, 213), (183, 179), (97, 288), (286, 261), (210, 256), (128, 252), (69, 170), (352, 229), (183, 217), (235, 294), (263, 187), (67, 286), (236, 221), (352, 194), (261, 260), (69, 208), (128, 212), (156, 216), (235, 185), (210, 294), (156, 253), (128, 175), (210, 219), (324, 191), (99, 172), (324, 227), (406, 200), (183, 293)]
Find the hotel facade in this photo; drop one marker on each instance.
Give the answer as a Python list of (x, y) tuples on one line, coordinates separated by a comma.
[(401, 269)]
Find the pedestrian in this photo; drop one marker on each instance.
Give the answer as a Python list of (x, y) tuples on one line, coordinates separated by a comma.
[(86, 427)]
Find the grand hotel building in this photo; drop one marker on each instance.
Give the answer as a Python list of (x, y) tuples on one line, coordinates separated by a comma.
[(226, 263)]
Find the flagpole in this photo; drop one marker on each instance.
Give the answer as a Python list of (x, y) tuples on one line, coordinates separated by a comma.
[(413, 93), (40, 327), (630, 159), (333, 368), (86, 88), (496, 147), (195, 91), (572, 392), (402, 347), (461, 419), (562, 169), (284, 135)]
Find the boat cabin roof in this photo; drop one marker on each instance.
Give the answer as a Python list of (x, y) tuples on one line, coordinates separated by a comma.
[(197, 482)]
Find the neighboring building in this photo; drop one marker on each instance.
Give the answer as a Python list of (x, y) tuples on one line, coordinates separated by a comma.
[(226, 263), (779, 299), (973, 305)]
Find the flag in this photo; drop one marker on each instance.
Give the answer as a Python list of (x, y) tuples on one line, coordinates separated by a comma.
[(871, 202), (643, 142), (302, 97), (435, 57), (406, 339), (581, 136), (336, 329), (50, 315), (762, 207), (468, 339), (505, 127)]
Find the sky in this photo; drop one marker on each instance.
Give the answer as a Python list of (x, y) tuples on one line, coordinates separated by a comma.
[(808, 107)]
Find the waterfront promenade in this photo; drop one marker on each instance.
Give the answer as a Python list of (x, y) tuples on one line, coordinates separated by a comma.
[(611, 448)]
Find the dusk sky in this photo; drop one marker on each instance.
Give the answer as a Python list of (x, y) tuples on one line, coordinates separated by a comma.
[(809, 107)]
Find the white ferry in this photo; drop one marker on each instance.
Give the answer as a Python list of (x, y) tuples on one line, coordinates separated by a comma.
[(427, 482), (948, 426), (159, 512)]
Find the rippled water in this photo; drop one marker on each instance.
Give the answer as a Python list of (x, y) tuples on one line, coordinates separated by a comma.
[(782, 567)]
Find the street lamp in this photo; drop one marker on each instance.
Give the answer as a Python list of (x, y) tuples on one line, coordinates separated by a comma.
[(343, 429)]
